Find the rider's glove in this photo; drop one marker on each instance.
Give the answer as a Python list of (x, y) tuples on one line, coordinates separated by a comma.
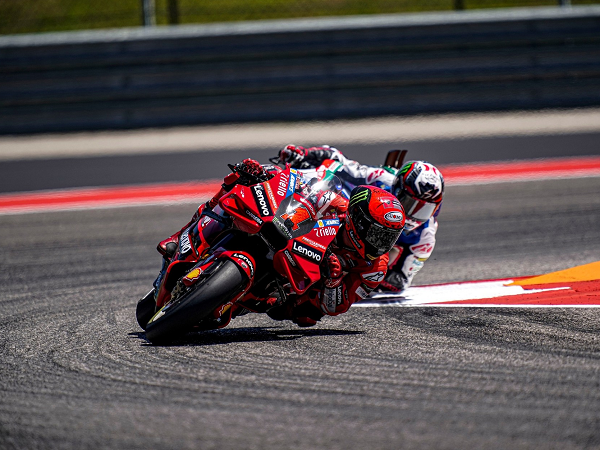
[(252, 167), (250, 172), (335, 273), (293, 154)]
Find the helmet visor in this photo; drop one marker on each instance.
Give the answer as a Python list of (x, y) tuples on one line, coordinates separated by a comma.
[(378, 238), (416, 209), (383, 239)]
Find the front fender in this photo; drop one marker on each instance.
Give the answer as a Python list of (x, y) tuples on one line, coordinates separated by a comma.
[(244, 260)]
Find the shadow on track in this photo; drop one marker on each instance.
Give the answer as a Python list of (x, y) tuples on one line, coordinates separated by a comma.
[(247, 334)]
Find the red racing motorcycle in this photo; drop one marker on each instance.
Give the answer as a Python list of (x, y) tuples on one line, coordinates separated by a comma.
[(259, 248)]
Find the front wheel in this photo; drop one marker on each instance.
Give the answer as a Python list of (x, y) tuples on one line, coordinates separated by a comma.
[(223, 284)]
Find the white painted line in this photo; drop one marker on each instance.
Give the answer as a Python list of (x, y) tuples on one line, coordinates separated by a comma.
[(471, 305), (420, 295), (442, 295)]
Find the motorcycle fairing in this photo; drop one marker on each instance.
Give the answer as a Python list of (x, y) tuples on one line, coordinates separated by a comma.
[(301, 258), (295, 218)]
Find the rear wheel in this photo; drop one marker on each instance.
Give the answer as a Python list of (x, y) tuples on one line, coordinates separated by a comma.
[(224, 282)]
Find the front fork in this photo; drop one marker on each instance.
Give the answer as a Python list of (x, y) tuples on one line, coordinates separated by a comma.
[(161, 275)]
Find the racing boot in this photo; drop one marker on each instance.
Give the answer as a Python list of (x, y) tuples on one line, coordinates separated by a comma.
[(168, 247), (306, 314), (304, 322)]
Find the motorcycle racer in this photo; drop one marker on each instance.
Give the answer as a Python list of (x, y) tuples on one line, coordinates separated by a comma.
[(419, 187), (354, 264), (358, 257)]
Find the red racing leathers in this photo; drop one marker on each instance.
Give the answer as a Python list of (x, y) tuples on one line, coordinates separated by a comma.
[(332, 297)]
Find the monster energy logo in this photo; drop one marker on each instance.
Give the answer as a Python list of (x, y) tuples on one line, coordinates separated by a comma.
[(405, 168), (359, 196)]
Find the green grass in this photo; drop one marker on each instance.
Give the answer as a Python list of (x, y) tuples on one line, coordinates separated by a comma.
[(27, 16)]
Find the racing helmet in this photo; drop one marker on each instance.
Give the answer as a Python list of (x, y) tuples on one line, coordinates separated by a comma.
[(374, 221), (419, 186)]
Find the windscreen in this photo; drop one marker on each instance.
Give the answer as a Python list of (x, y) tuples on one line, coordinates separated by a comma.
[(298, 213)]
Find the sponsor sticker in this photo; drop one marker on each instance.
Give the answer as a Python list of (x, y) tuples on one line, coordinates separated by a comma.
[(205, 221), (394, 216), (325, 199), (290, 258), (261, 200), (332, 299), (307, 252), (246, 260), (354, 240), (223, 309), (361, 293), (193, 275), (283, 184), (374, 175), (374, 277), (291, 185), (326, 231), (327, 223), (307, 205), (422, 249), (270, 194), (359, 196), (282, 227), (313, 243), (352, 263), (184, 243), (254, 217), (335, 166)]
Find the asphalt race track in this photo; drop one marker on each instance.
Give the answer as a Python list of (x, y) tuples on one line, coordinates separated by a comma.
[(77, 373)]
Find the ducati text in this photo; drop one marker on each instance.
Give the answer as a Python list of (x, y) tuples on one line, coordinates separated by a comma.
[(184, 243)]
